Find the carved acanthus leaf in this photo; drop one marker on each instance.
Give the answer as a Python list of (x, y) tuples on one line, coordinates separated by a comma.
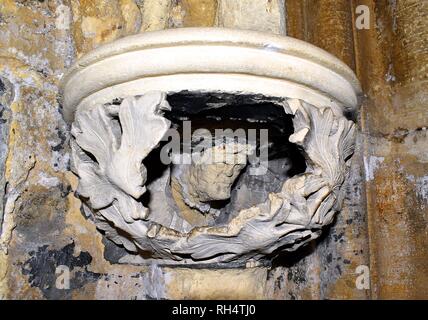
[(118, 174), (328, 142), (143, 126)]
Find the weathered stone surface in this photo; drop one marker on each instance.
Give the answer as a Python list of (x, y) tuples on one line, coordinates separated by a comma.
[(312, 20), (131, 15), (295, 19), (216, 284), (35, 162), (40, 39), (199, 13), (155, 14), (410, 31), (94, 23), (391, 60), (259, 15), (32, 37)]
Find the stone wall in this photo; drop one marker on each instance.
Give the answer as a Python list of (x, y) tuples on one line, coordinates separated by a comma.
[(384, 221), (385, 218)]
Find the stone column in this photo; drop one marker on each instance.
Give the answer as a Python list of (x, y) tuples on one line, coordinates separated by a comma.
[(324, 23), (392, 65)]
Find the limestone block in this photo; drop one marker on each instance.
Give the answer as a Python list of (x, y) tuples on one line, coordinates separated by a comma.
[(97, 22), (259, 15), (155, 15), (199, 13), (131, 16), (216, 284)]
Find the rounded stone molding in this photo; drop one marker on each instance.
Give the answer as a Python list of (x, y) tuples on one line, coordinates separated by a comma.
[(137, 73), (209, 60)]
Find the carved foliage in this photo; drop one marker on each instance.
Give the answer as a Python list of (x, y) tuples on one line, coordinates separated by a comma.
[(117, 176), (114, 182)]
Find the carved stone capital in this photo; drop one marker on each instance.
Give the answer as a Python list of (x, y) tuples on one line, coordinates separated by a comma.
[(111, 140)]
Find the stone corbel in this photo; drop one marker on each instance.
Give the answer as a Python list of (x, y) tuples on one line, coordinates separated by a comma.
[(111, 140)]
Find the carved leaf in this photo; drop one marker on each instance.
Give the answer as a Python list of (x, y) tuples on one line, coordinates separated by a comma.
[(329, 141), (93, 133), (118, 172), (92, 184), (101, 193), (327, 144), (143, 127)]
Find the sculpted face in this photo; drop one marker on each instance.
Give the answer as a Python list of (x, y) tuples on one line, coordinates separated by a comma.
[(215, 180), (216, 169), (211, 174)]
